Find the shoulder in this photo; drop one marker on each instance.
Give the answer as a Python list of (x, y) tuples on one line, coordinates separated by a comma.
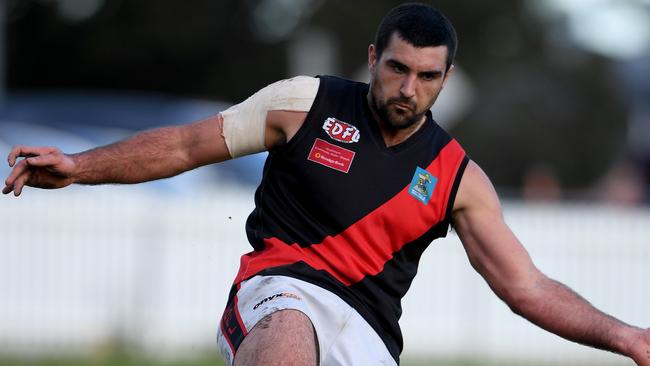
[(336, 84), (275, 95), (475, 191), (301, 81)]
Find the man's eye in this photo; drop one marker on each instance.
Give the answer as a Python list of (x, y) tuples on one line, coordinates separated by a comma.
[(398, 69), (428, 77)]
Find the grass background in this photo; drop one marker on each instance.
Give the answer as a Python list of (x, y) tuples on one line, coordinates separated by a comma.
[(119, 354)]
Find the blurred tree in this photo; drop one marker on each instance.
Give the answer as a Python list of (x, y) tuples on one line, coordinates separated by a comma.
[(191, 48)]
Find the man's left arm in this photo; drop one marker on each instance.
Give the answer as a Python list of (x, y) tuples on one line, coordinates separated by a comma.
[(496, 253)]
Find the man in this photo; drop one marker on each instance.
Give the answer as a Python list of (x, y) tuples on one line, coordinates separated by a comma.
[(359, 180)]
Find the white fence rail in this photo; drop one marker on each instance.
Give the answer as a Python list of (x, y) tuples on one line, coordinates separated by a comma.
[(85, 266)]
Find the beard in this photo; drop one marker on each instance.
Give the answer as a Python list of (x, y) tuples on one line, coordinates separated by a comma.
[(394, 115)]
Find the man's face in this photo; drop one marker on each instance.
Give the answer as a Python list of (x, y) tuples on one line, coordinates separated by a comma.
[(405, 81)]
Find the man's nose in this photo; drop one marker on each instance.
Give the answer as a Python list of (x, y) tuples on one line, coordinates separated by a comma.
[(408, 86)]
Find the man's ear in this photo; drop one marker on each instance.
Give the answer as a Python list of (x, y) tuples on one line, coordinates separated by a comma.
[(447, 73), (372, 58)]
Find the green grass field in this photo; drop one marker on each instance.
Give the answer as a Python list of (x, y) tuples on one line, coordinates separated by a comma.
[(119, 354), (113, 361)]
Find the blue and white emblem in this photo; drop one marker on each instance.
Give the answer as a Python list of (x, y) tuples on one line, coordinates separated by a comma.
[(422, 185)]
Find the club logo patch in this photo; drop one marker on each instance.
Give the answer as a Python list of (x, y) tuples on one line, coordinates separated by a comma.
[(330, 155), (422, 185), (341, 131)]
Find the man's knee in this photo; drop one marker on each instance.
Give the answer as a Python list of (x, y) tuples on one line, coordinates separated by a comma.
[(285, 337)]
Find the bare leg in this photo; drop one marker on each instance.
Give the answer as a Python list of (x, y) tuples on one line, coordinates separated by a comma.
[(285, 337)]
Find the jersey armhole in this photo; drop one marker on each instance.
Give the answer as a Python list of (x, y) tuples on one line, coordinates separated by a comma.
[(448, 223)]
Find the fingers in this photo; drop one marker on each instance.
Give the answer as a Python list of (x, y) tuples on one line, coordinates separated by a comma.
[(27, 151), (20, 183), (7, 189), (35, 156), (44, 160), (21, 173), (17, 180), (18, 170)]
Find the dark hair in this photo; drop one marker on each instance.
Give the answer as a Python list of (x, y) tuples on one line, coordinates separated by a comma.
[(420, 25)]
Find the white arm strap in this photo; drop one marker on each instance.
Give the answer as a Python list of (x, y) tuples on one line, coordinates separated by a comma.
[(244, 124)]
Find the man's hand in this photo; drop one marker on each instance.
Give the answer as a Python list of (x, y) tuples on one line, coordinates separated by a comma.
[(640, 351), (42, 167)]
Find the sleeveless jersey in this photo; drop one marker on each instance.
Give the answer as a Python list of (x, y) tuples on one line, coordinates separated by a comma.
[(339, 209)]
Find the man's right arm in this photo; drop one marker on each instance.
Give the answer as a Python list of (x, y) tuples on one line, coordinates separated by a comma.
[(150, 155), (268, 119)]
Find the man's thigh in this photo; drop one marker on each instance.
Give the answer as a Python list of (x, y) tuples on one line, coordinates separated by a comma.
[(285, 337)]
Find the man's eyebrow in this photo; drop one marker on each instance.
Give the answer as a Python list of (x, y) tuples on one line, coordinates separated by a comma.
[(394, 62), (431, 73)]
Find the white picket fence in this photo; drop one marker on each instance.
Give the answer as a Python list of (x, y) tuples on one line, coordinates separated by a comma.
[(89, 265)]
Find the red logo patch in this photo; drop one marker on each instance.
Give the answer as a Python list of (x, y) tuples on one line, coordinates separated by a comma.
[(331, 156), (341, 131)]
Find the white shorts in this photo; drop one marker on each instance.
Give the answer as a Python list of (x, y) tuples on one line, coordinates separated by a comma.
[(344, 337)]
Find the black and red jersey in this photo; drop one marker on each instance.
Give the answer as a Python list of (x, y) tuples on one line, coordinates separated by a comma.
[(338, 208)]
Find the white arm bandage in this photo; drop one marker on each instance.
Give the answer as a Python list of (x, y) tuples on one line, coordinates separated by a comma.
[(244, 124)]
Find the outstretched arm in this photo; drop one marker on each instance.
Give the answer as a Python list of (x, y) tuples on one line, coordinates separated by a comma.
[(499, 257), (149, 155), (268, 119)]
